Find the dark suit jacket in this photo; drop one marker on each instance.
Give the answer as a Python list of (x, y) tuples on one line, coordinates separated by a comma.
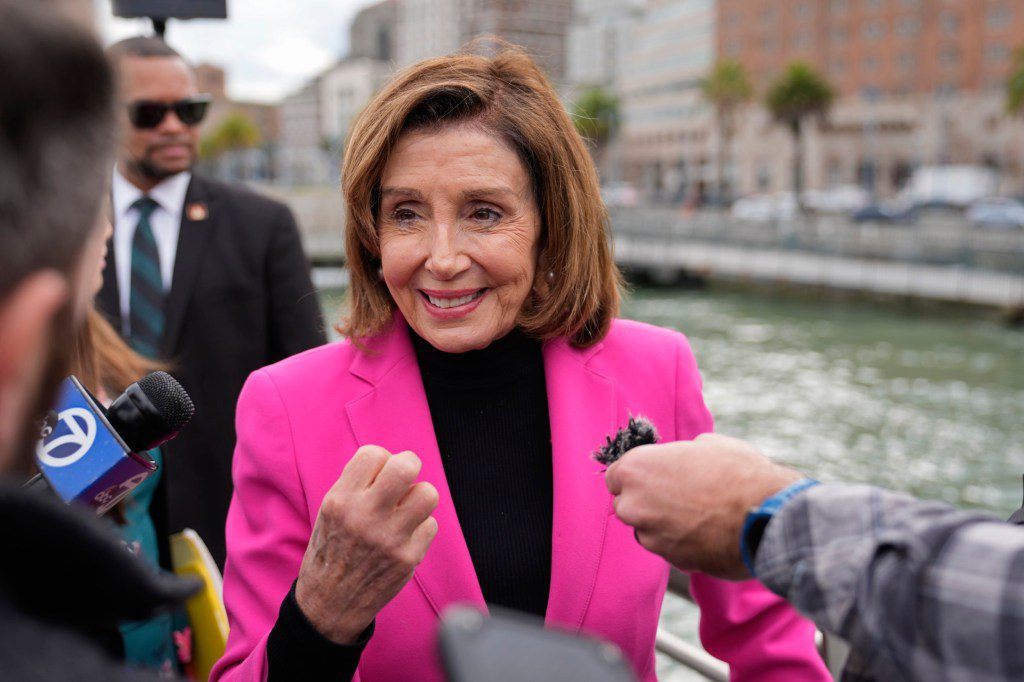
[(241, 298)]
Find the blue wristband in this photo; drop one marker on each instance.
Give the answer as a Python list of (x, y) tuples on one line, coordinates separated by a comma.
[(759, 517)]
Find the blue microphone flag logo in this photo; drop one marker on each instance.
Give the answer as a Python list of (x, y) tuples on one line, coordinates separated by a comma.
[(70, 439)]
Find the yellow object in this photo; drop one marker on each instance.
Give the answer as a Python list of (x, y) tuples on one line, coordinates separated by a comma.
[(191, 559)]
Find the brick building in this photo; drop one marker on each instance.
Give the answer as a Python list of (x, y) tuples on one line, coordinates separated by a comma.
[(918, 82)]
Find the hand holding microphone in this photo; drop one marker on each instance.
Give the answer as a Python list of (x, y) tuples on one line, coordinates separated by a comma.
[(374, 528)]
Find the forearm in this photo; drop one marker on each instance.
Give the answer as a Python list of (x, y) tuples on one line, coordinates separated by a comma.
[(296, 650), (920, 584)]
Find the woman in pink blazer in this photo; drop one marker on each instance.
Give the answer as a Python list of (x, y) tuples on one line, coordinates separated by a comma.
[(482, 349)]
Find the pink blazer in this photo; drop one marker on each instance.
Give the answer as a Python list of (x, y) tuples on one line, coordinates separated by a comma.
[(300, 420)]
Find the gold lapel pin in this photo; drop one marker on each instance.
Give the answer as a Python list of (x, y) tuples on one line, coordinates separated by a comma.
[(197, 212)]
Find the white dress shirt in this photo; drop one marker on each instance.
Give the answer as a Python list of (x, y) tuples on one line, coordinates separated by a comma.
[(165, 220)]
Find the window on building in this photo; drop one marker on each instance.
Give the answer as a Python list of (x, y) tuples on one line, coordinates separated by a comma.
[(873, 30), (949, 56), (906, 61), (768, 44), (734, 47), (996, 53), (834, 172), (838, 65), (995, 84), (802, 40), (873, 4), (839, 6), (838, 35), (949, 23), (910, 3), (908, 26), (769, 14), (764, 176), (804, 9), (998, 16), (870, 63)]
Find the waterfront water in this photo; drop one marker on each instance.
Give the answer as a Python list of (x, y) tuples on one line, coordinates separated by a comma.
[(925, 400), (928, 401)]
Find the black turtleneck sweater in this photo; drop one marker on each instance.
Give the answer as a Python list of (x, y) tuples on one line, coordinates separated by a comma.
[(490, 414)]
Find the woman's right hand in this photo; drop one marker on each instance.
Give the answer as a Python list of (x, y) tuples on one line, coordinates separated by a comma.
[(373, 529)]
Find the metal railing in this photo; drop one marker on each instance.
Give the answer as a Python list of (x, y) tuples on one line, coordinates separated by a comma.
[(933, 240), (832, 649)]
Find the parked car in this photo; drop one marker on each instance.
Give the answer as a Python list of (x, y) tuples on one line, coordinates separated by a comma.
[(945, 186), (842, 199), (763, 208), (883, 213), (996, 212)]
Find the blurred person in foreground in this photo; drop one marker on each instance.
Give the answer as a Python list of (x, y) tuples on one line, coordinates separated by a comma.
[(207, 275), (920, 590), (106, 365), (442, 453), (65, 580)]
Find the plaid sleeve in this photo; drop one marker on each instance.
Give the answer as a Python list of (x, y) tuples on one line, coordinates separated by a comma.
[(920, 590)]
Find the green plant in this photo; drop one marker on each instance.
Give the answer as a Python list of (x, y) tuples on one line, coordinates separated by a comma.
[(1015, 84), (799, 93), (234, 133), (726, 88), (596, 115)]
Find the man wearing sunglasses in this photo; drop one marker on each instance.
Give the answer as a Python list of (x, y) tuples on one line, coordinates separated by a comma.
[(209, 276)]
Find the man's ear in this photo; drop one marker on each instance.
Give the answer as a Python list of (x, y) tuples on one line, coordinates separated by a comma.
[(26, 317)]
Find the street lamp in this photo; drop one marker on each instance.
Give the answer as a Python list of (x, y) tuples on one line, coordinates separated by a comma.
[(159, 11)]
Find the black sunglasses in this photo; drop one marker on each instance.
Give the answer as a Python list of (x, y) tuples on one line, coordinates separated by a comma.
[(149, 114)]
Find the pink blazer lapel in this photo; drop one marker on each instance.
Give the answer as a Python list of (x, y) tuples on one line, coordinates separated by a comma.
[(395, 415), (582, 405)]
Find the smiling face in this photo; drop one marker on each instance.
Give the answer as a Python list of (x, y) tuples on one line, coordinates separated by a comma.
[(459, 230)]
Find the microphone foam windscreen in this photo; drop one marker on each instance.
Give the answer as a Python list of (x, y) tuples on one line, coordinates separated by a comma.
[(169, 398), (639, 431)]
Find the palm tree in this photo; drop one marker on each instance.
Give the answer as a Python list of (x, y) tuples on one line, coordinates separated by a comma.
[(800, 92), (1015, 85), (726, 87)]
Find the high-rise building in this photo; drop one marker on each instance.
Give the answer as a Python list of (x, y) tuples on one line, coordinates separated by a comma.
[(919, 82), (372, 34), (597, 41), (317, 119), (430, 28), (664, 144), (300, 159)]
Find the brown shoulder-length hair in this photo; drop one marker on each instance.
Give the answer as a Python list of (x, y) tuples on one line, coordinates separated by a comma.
[(508, 96), (103, 362)]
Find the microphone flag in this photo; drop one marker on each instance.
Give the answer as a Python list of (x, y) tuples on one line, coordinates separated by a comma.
[(82, 457)]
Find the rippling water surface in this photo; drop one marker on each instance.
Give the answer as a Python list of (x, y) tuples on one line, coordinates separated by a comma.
[(931, 402), (928, 401)]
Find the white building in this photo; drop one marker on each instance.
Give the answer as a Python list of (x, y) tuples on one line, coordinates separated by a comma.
[(597, 41), (299, 159), (665, 141), (431, 28), (345, 89)]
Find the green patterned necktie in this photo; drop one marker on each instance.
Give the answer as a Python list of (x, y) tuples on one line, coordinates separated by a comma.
[(146, 302)]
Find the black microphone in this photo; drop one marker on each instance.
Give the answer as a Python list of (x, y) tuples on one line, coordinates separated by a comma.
[(638, 431), (96, 456), (151, 411)]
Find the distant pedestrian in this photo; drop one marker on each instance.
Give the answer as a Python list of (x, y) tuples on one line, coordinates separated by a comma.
[(209, 276)]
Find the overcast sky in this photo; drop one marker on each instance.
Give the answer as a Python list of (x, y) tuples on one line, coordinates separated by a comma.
[(268, 47)]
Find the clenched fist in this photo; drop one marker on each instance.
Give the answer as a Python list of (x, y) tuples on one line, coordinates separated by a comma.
[(373, 529)]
